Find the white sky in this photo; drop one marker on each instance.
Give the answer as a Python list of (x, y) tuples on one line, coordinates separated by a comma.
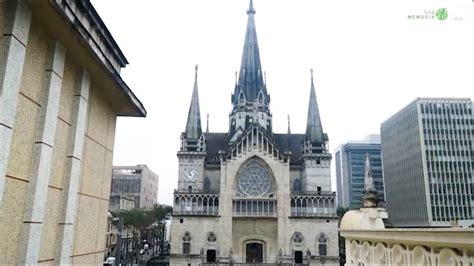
[(369, 59)]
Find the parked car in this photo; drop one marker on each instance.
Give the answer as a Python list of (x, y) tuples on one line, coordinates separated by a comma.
[(109, 261)]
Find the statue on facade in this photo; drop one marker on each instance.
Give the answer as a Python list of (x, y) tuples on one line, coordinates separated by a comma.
[(369, 197)]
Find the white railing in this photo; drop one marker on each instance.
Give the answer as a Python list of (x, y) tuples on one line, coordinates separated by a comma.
[(316, 204), (254, 208), (196, 203)]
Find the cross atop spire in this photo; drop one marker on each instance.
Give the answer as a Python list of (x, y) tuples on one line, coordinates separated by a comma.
[(314, 129), (193, 124)]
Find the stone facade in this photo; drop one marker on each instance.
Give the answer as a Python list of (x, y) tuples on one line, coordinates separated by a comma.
[(57, 127), (251, 195)]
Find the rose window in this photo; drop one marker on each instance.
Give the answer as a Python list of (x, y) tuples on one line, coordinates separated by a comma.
[(254, 180)]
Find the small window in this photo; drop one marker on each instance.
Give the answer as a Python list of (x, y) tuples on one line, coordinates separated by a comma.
[(190, 189), (180, 221), (319, 189), (322, 245), (297, 185), (187, 243)]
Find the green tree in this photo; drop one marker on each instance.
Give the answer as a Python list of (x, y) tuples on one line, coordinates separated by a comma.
[(143, 220)]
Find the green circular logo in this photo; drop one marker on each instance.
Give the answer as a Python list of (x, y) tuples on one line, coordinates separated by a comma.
[(442, 14)]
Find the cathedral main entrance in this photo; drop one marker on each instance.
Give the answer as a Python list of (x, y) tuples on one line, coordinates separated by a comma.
[(254, 252)]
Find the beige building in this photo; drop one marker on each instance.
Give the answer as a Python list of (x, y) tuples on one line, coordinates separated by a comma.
[(250, 195), (60, 94)]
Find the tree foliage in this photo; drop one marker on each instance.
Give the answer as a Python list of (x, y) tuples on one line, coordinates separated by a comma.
[(142, 218)]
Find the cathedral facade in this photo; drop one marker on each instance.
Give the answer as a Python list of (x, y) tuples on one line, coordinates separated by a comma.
[(250, 195)]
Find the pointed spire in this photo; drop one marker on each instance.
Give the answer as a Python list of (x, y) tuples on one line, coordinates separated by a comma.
[(368, 180), (251, 10), (193, 124), (289, 130), (314, 129), (251, 80), (207, 124)]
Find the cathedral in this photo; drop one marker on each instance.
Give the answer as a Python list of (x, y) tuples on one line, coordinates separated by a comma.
[(250, 195)]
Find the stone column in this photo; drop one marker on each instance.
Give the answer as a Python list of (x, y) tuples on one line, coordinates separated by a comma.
[(15, 38), (42, 159), (74, 157)]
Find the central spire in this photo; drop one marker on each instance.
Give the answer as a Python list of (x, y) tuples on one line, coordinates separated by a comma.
[(250, 86)]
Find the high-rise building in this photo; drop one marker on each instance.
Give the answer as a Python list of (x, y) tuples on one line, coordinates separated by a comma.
[(138, 182), (249, 194), (428, 162), (350, 165), (60, 94)]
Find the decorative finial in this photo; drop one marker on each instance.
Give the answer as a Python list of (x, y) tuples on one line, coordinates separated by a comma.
[(207, 126), (236, 81), (265, 77), (196, 71), (311, 75), (369, 197), (251, 10), (289, 130)]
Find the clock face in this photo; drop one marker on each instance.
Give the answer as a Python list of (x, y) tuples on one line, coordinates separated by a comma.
[(190, 174)]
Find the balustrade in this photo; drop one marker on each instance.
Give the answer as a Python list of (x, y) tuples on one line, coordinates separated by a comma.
[(206, 204), (254, 207), (313, 205)]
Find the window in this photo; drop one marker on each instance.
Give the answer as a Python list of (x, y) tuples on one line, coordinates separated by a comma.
[(297, 185), (207, 184), (297, 238), (322, 245), (187, 243), (254, 180)]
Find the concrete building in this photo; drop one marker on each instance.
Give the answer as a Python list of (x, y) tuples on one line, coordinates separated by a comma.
[(350, 166), (249, 194), (121, 203), (428, 163), (138, 182), (60, 95)]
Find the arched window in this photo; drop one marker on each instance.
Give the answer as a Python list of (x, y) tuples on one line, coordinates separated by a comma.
[(187, 243), (207, 184), (322, 245), (254, 180), (297, 185)]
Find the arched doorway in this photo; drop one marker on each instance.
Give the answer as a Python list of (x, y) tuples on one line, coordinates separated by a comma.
[(254, 252)]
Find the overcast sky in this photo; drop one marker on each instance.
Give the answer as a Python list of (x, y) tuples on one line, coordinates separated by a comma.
[(370, 60)]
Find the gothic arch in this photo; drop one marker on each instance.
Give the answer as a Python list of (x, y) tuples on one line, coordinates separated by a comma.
[(255, 179), (297, 185)]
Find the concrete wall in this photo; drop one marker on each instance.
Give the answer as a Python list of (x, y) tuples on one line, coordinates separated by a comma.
[(57, 130)]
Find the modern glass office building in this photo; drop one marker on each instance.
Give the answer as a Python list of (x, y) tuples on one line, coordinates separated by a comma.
[(428, 160), (350, 170)]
